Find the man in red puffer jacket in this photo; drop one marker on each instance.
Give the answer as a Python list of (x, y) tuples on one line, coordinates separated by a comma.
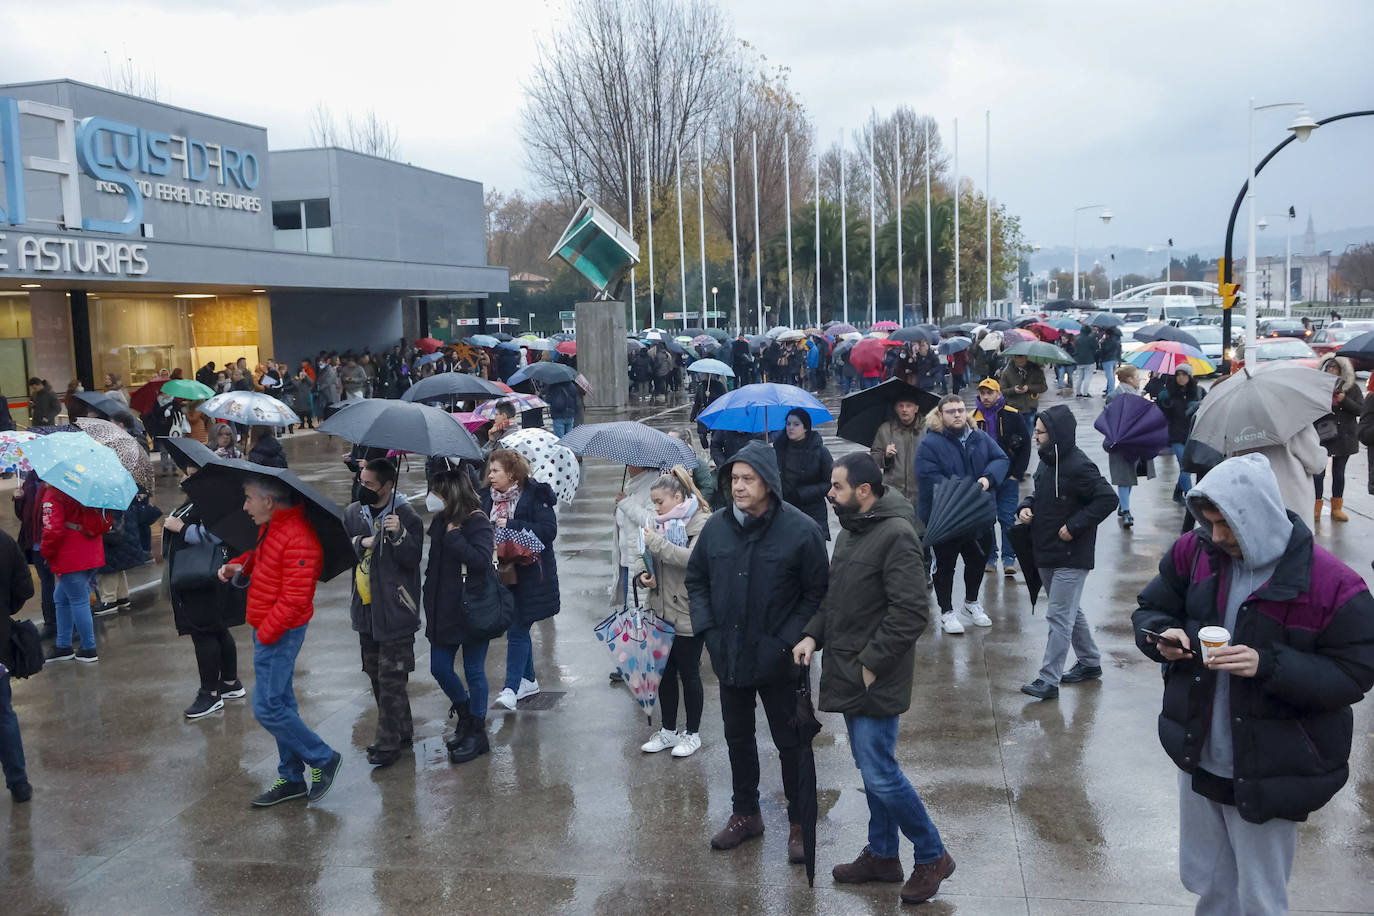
[(72, 545), (282, 572)]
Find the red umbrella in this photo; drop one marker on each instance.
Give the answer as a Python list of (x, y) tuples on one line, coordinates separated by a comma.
[(567, 347), (1045, 332), (867, 356), (428, 345), (145, 398)]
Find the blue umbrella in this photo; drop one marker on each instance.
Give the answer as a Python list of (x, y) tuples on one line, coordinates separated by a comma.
[(82, 468), (954, 345), (761, 408), (483, 340), (431, 358), (711, 367)]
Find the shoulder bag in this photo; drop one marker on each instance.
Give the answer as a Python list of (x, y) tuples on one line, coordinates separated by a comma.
[(490, 614)]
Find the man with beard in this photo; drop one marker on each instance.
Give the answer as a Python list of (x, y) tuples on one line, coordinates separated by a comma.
[(875, 609)]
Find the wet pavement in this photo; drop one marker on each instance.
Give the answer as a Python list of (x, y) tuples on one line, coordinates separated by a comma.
[(1059, 807)]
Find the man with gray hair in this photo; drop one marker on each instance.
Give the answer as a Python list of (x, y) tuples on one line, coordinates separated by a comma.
[(281, 572)]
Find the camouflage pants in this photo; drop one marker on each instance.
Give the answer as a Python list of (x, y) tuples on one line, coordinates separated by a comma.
[(387, 665)]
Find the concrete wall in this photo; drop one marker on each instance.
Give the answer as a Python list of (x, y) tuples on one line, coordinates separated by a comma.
[(601, 353), (51, 316), (305, 323)]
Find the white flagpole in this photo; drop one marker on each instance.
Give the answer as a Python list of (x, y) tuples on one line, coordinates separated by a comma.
[(649, 222), (630, 208), (734, 235), (901, 297), (956, 215), (787, 181), (681, 243), (873, 231), (758, 259), (844, 240), (818, 235), (987, 191), (701, 230), (930, 273)]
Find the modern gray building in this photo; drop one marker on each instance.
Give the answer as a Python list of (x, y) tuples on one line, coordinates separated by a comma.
[(136, 236)]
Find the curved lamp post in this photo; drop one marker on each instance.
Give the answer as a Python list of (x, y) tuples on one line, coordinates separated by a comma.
[(1105, 216)]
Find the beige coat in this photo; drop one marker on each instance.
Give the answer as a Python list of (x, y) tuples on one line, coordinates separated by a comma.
[(669, 599), (900, 472)]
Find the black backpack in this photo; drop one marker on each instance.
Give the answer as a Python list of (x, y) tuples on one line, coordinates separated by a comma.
[(26, 649)]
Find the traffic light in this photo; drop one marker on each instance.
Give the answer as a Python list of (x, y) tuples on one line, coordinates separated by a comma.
[(1226, 290)]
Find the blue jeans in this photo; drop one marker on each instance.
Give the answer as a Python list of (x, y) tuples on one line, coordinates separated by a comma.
[(72, 595), (274, 706), (1109, 367), (562, 426), (1085, 377), (441, 662), (1030, 426), (519, 655), (868, 381), (892, 801), (1008, 495), (1185, 480), (1123, 498), (11, 745)]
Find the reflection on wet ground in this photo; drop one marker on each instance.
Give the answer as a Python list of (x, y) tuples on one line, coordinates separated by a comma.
[(1056, 808)]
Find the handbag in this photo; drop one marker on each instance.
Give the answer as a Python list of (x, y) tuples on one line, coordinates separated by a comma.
[(1327, 429), (196, 566), (26, 649), (489, 615)]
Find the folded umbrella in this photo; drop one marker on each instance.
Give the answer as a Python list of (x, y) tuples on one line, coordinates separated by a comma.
[(639, 642), (550, 462), (249, 408), (1024, 545), (82, 468), (1039, 352), (131, 455), (760, 408), (416, 428), (804, 720), (1133, 428), (188, 389), (959, 506), (546, 373), (862, 412), (630, 443), (711, 367), (217, 491), (1249, 411), (451, 386), (518, 545)]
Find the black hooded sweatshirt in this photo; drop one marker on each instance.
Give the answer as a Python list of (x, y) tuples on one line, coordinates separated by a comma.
[(753, 584), (1069, 490)]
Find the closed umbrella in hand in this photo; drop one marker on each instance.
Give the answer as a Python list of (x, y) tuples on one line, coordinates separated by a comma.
[(416, 428), (862, 412), (82, 468), (639, 643), (1133, 428), (131, 455), (1249, 411), (630, 443), (808, 727), (1024, 545), (959, 506)]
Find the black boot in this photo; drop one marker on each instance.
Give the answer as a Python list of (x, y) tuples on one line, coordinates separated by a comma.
[(464, 716), (474, 743)]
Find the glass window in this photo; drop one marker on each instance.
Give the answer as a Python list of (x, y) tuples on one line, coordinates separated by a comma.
[(302, 225), (316, 214), (286, 214)]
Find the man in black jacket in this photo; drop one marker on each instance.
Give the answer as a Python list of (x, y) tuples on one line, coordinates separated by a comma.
[(16, 587), (875, 609), (1069, 501), (1260, 728), (756, 576), (388, 538)]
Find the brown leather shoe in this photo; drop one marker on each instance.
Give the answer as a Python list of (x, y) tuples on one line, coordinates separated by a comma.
[(796, 850), (868, 867), (737, 829), (925, 879)]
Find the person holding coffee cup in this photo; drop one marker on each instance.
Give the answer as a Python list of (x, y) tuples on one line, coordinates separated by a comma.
[(1268, 639)]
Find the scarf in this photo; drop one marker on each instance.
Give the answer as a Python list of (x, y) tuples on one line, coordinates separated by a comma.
[(503, 504), (673, 523)]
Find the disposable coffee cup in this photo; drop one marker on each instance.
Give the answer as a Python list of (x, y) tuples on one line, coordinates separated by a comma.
[(1212, 638)]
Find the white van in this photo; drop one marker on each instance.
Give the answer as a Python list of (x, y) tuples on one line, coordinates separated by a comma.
[(1171, 309)]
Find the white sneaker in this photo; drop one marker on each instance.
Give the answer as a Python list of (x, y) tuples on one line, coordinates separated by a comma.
[(506, 698), (950, 623), (661, 741), (526, 689), (975, 610), (687, 745)]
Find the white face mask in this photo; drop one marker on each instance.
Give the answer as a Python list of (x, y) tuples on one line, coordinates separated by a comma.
[(433, 503)]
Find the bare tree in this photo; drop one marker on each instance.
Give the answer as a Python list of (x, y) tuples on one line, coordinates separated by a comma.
[(371, 135), (323, 131), (128, 77)]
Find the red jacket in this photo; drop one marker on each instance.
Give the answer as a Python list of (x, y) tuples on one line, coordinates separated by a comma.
[(284, 567), (71, 533)]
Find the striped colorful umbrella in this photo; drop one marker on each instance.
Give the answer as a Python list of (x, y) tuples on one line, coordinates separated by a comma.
[(1165, 356)]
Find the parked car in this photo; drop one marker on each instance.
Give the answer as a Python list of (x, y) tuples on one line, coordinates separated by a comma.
[(1283, 327), (1282, 349), (1328, 340), (1208, 339)]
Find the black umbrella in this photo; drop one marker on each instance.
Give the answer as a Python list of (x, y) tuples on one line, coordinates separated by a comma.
[(114, 410), (959, 506), (187, 451), (1165, 332), (862, 412), (912, 335), (1106, 320), (545, 372), (217, 491), (502, 336), (416, 428), (805, 722), (452, 385), (953, 329), (1060, 305), (1359, 349), (1024, 545), (998, 325)]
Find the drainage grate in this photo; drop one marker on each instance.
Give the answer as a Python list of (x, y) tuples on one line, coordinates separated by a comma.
[(542, 701)]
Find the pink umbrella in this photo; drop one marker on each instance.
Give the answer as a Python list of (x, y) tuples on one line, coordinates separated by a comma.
[(1016, 336), (886, 326), (521, 403), (471, 420)]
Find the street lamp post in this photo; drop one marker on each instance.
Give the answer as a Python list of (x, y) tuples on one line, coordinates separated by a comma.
[(530, 327), (1168, 249), (1105, 216), (714, 291), (1262, 225)]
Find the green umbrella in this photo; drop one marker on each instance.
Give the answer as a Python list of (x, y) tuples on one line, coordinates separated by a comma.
[(188, 389), (1040, 352)]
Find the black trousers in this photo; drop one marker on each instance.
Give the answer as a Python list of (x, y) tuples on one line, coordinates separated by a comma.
[(684, 663), (388, 665), (737, 718), (217, 658), (1338, 464), (946, 556)]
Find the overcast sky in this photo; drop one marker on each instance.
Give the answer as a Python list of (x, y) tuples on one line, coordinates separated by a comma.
[(1138, 106)]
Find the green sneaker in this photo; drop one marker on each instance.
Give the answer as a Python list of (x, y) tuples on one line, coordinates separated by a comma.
[(281, 790), (322, 778)]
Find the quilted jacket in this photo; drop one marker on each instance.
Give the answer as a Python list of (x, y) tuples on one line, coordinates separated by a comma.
[(283, 567), (71, 533)]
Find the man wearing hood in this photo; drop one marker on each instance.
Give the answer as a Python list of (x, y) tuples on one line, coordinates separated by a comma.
[(894, 446), (1004, 424), (1069, 501), (1261, 730), (873, 613), (756, 576), (388, 538)]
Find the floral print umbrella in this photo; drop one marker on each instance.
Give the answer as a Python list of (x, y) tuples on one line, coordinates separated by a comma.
[(13, 456)]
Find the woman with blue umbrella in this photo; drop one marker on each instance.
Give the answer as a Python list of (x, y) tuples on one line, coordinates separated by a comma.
[(804, 463)]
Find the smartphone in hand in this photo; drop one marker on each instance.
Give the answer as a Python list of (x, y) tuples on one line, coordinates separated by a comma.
[(1165, 640)]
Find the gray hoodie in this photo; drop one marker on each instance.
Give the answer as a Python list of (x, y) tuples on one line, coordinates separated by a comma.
[(1246, 492)]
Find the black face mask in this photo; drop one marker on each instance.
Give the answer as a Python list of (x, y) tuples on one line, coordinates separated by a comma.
[(368, 497)]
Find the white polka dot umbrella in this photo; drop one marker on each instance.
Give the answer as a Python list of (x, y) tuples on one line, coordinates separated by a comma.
[(550, 463)]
